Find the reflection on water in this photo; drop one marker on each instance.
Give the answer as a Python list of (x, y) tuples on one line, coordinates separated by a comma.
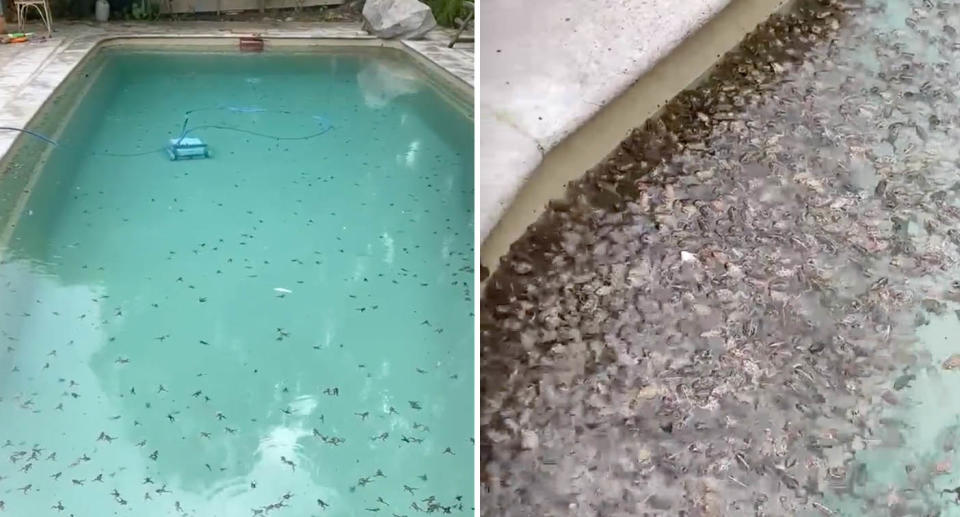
[(281, 329), (383, 81)]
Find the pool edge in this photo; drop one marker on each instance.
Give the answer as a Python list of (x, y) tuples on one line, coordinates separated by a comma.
[(90, 45), (453, 89), (684, 67)]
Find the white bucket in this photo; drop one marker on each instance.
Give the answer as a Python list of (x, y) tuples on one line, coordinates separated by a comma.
[(102, 10)]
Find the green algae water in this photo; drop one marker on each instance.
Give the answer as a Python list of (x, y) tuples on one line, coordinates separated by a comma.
[(284, 328)]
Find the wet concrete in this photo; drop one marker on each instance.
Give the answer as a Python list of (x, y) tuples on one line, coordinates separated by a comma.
[(533, 96), (720, 317)]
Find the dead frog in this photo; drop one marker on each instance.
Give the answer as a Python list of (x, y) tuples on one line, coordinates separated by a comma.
[(903, 381), (952, 362)]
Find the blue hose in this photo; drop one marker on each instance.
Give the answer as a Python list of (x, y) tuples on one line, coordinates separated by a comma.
[(184, 130), (31, 133)]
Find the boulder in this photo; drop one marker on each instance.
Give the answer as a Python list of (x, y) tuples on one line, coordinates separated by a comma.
[(404, 19)]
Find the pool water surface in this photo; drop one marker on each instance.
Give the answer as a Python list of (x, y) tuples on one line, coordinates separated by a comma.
[(284, 328)]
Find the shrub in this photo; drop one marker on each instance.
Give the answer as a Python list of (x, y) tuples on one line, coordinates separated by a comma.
[(446, 11)]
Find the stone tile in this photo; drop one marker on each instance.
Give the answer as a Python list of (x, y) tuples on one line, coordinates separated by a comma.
[(550, 65), (500, 173), (30, 72)]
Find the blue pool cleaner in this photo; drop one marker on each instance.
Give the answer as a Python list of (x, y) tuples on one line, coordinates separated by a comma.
[(187, 147)]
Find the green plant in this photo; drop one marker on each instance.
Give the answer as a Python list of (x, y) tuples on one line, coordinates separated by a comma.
[(446, 11), (145, 10), (66, 8)]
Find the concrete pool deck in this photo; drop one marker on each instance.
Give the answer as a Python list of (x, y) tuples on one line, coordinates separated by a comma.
[(30, 72), (563, 83)]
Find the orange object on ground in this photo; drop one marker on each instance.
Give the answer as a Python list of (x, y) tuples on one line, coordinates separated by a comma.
[(251, 43)]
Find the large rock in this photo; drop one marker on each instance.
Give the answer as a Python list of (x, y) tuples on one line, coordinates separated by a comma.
[(406, 19)]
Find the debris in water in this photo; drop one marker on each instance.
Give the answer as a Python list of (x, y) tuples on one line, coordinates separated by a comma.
[(952, 362), (812, 178)]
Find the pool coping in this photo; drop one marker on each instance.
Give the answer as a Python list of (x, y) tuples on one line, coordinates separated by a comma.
[(62, 55), (543, 175), (455, 76), (535, 95)]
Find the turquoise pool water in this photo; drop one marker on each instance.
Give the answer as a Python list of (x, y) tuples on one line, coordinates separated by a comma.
[(282, 329)]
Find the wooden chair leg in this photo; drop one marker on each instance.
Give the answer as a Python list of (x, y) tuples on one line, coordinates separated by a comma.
[(463, 27)]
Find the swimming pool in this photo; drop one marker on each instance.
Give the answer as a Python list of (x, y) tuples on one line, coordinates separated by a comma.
[(750, 307), (282, 328)]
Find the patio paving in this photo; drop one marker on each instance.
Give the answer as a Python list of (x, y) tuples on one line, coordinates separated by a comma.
[(551, 66), (30, 72)]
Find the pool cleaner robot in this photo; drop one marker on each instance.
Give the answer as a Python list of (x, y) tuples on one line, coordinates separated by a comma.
[(187, 147)]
